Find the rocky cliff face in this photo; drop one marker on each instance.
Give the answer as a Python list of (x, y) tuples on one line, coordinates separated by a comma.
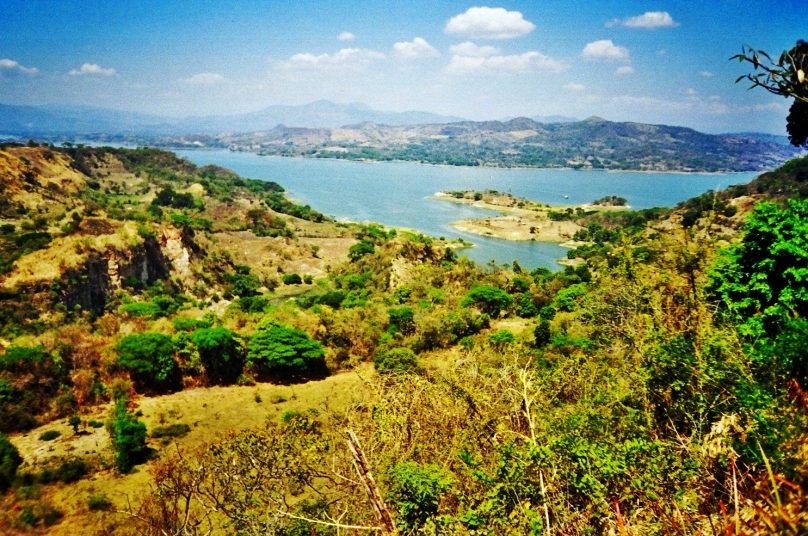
[(91, 285)]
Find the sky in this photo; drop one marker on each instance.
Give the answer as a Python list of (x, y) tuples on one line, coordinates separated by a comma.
[(656, 62)]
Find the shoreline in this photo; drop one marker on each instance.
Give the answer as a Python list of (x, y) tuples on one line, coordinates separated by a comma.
[(451, 166)]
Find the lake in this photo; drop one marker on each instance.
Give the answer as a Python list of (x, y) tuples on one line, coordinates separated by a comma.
[(396, 193)]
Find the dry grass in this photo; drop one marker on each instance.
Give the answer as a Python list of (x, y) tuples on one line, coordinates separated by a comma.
[(210, 412), (67, 252)]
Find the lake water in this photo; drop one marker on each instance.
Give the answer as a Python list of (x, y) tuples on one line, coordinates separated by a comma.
[(396, 193)]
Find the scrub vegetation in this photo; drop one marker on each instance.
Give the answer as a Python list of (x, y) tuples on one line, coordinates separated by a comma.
[(654, 385)]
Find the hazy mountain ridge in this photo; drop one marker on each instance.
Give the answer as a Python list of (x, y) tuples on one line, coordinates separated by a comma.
[(356, 131), (78, 120)]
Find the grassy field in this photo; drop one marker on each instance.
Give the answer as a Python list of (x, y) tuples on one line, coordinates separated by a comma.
[(210, 412)]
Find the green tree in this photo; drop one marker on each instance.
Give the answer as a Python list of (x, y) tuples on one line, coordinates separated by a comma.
[(221, 352), (402, 319), (285, 352), (490, 300), (127, 435), (74, 421), (360, 249), (788, 77), (764, 279), (149, 358), (9, 461)]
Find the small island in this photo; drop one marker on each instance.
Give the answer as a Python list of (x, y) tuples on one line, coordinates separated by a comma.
[(522, 219)]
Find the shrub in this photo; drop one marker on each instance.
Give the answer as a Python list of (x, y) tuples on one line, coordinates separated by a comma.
[(291, 279), (74, 422), (360, 249), (221, 352), (68, 471), (190, 324), (402, 320), (501, 338), (242, 283), (415, 492), (127, 435), (396, 360), (10, 460), (49, 435), (98, 502), (141, 310), (541, 333), (490, 300), (149, 359), (281, 351), (40, 513), (171, 430)]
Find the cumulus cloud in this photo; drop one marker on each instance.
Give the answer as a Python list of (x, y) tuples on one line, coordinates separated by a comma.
[(8, 66), (604, 49), (92, 69), (346, 36), (648, 20), (489, 23), (706, 74), (515, 63), (473, 50), (624, 70), (574, 86), (204, 79), (344, 58), (416, 49)]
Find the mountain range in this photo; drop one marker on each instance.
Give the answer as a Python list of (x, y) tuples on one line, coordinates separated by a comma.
[(355, 131), (520, 142), (54, 120)]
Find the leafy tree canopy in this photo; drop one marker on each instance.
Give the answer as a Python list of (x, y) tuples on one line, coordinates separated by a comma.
[(149, 358), (490, 300), (282, 351), (221, 353)]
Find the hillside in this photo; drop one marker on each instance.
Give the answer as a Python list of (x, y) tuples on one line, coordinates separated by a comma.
[(229, 337), (591, 144)]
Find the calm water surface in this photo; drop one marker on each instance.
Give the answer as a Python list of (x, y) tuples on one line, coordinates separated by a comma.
[(396, 193)]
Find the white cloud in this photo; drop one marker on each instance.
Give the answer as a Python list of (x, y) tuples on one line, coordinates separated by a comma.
[(489, 23), (412, 50), (92, 69), (624, 70), (694, 104), (14, 67), (706, 74), (344, 58), (204, 79), (604, 49), (573, 86), (473, 50), (690, 92), (648, 20), (515, 63), (346, 36)]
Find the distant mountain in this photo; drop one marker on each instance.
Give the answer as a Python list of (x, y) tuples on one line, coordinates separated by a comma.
[(80, 120), (52, 119), (592, 143)]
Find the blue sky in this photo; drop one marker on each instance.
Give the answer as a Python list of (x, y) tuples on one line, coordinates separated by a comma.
[(658, 62)]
